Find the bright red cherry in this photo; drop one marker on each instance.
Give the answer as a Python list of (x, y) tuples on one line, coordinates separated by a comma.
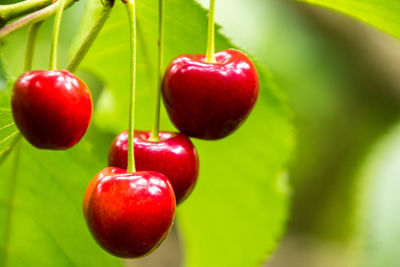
[(210, 100), (174, 156), (52, 109), (129, 214), (93, 183)]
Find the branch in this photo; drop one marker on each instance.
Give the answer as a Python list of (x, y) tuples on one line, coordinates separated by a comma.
[(12, 11), (32, 18)]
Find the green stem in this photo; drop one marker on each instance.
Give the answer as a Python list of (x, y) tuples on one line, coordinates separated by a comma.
[(12, 11), (156, 126), (32, 18), (56, 32), (130, 6), (92, 35), (30, 45), (210, 58)]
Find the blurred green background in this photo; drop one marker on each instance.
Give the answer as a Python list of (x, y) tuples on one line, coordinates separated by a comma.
[(341, 79)]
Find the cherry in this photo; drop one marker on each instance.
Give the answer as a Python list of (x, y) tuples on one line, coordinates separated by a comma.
[(129, 214), (174, 156), (52, 109), (210, 100)]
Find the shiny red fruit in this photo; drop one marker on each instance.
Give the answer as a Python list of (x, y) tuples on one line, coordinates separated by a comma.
[(174, 156), (129, 214), (52, 109), (210, 100)]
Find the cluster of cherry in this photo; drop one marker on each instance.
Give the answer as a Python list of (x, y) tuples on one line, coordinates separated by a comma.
[(130, 206), (131, 213)]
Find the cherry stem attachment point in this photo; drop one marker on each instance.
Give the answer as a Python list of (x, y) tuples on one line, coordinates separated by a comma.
[(30, 45), (56, 31), (130, 7), (91, 37), (210, 57), (156, 125)]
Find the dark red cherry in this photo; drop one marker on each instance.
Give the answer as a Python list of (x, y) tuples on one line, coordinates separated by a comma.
[(210, 100), (129, 214), (52, 109), (174, 156)]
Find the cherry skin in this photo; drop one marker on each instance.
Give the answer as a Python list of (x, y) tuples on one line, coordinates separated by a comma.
[(174, 156), (129, 214), (52, 109), (210, 100)]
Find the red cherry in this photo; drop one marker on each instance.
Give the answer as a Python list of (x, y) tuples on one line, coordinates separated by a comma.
[(210, 100), (174, 156), (93, 183), (52, 109), (129, 214)]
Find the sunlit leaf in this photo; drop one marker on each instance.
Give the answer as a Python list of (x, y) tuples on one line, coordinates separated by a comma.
[(41, 218), (9, 133), (383, 14), (5, 85)]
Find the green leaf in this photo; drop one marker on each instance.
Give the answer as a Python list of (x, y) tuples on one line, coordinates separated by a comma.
[(238, 210), (379, 216), (9, 133), (5, 85), (41, 192), (3, 78), (383, 14), (41, 221)]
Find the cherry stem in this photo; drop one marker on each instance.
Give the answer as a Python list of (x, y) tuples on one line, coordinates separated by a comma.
[(30, 45), (210, 57), (130, 6), (31, 19), (91, 37), (156, 126), (12, 11), (56, 31)]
